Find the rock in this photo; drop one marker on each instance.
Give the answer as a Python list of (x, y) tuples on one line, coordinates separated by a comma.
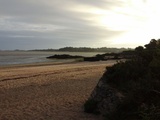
[(64, 56), (91, 59), (106, 97)]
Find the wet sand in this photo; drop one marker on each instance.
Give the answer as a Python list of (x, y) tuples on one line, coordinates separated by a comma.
[(48, 92)]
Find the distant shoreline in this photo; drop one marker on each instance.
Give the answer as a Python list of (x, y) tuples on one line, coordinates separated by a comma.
[(86, 49), (78, 49)]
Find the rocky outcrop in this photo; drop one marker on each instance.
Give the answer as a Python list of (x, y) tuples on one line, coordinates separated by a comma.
[(106, 97), (64, 56), (98, 57)]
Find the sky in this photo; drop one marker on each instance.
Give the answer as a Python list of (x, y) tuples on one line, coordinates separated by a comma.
[(43, 24)]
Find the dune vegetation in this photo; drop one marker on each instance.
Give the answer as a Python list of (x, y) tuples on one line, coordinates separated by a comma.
[(138, 79)]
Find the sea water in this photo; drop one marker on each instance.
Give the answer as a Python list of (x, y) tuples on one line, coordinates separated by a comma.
[(27, 57)]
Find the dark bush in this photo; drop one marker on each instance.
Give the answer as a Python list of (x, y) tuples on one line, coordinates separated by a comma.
[(139, 80), (90, 106)]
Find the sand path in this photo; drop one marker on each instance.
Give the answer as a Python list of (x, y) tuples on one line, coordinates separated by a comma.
[(48, 92)]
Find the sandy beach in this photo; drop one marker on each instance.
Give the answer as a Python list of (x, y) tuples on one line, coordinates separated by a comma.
[(48, 92)]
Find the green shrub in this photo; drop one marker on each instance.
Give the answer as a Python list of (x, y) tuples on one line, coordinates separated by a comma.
[(125, 75), (139, 80)]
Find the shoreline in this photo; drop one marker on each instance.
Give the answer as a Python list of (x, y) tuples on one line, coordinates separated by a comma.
[(29, 57), (52, 63), (35, 64)]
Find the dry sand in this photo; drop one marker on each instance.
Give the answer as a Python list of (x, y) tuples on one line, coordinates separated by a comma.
[(48, 92)]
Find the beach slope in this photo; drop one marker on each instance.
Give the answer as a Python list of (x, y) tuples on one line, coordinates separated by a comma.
[(48, 92)]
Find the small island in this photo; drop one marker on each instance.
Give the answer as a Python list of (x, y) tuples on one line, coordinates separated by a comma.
[(99, 57)]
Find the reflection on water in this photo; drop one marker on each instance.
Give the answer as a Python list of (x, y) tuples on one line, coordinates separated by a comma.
[(25, 57)]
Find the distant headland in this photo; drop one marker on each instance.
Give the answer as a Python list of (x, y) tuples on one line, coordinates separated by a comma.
[(86, 49)]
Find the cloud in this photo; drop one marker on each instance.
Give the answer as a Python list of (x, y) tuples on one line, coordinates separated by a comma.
[(66, 23)]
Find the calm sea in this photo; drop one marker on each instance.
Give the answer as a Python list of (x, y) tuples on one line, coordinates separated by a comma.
[(27, 57)]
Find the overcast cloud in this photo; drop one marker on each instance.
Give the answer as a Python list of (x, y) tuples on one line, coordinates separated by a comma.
[(39, 24)]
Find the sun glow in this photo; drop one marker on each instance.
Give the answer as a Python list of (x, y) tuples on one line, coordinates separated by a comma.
[(140, 22), (137, 20)]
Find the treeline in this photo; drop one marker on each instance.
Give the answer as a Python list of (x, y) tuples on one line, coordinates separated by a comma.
[(47, 50), (86, 49)]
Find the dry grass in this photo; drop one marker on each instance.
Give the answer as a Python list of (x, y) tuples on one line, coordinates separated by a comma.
[(51, 92)]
